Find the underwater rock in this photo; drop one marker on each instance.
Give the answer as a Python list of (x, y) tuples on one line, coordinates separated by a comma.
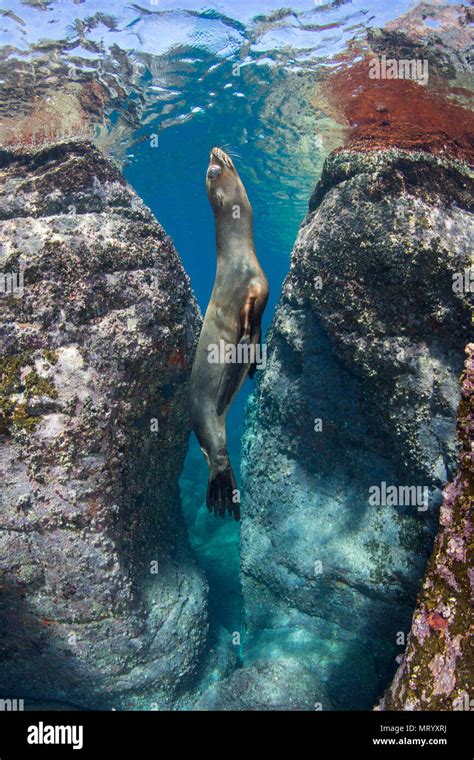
[(389, 234), (436, 669), (102, 603), (408, 93), (351, 431), (263, 686), (399, 113)]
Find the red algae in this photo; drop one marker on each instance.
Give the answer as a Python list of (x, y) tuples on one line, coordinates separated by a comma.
[(178, 359), (399, 113), (60, 116), (437, 621)]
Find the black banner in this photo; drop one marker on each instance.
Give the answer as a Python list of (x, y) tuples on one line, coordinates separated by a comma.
[(100, 734)]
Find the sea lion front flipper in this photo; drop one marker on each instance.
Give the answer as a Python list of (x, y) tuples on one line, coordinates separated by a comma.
[(230, 380), (250, 316), (257, 342)]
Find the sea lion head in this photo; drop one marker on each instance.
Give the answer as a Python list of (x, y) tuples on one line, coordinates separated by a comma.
[(225, 189)]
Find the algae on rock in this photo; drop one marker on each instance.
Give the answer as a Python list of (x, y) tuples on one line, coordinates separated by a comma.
[(436, 669), (101, 600)]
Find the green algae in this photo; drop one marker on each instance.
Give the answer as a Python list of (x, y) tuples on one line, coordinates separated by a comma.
[(16, 392)]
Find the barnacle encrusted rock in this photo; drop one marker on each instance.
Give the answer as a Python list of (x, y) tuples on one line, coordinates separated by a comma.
[(360, 393), (102, 604), (390, 234), (436, 669)]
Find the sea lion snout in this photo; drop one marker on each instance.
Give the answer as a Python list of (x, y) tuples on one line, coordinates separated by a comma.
[(219, 157), (214, 171), (224, 186)]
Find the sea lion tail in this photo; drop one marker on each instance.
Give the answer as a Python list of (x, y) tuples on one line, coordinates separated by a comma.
[(222, 493)]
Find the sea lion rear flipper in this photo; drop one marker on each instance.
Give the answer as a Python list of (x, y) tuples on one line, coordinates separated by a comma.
[(229, 381), (221, 490)]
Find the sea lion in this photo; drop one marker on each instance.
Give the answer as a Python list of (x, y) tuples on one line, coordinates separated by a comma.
[(233, 318)]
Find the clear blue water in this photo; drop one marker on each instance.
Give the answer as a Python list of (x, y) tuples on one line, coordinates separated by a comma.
[(168, 70)]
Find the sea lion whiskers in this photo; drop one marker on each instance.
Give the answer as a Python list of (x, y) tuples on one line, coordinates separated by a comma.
[(230, 151), (221, 156)]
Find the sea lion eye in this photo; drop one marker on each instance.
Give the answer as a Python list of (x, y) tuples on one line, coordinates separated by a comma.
[(214, 171)]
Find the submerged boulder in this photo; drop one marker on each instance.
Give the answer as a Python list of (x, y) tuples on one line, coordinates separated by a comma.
[(101, 602), (435, 672), (351, 432), (263, 686)]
